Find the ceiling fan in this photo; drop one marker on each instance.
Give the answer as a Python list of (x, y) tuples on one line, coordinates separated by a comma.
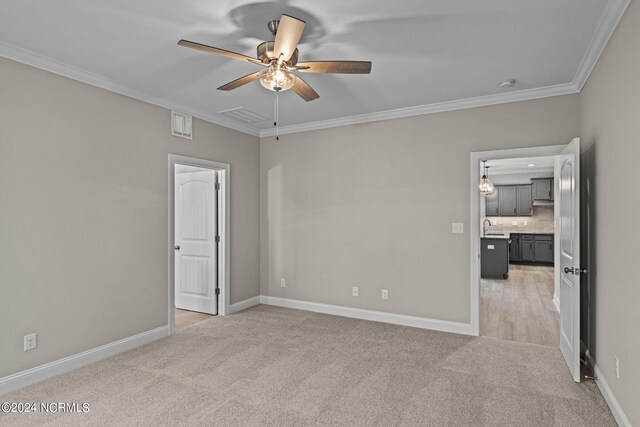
[(280, 59)]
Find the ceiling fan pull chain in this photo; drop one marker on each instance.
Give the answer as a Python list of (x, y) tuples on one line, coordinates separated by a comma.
[(277, 113)]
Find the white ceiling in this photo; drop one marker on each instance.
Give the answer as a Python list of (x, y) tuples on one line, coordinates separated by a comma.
[(521, 165), (423, 52)]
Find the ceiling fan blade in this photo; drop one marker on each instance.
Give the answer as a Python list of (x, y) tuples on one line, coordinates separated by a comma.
[(241, 81), (304, 90), (223, 52), (287, 36), (338, 67)]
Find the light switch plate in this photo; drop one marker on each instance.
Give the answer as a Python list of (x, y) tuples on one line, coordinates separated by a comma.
[(457, 228), (514, 222)]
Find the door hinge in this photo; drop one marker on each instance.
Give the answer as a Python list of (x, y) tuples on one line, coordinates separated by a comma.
[(217, 291), (217, 185), (217, 239)]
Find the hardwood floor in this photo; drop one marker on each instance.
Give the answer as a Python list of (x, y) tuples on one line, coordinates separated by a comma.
[(186, 318), (521, 308)]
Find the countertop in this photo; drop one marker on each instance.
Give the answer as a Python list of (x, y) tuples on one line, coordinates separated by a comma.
[(542, 233), (507, 235), (504, 236)]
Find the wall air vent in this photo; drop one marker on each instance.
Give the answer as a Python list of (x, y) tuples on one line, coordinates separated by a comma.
[(244, 115), (181, 125)]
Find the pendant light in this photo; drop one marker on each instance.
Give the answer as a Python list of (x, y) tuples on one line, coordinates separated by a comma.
[(486, 186)]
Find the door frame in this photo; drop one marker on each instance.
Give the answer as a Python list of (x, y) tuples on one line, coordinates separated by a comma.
[(224, 214), (475, 216)]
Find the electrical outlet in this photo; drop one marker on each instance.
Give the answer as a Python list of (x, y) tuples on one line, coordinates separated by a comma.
[(457, 228), (385, 294), (495, 222), (524, 222), (354, 291), (283, 284), (616, 365), (514, 222), (30, 342)]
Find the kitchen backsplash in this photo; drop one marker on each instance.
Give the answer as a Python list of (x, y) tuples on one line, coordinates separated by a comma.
[(541, 222)]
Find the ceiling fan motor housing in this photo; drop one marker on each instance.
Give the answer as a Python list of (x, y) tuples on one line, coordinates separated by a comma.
[(266, 55)]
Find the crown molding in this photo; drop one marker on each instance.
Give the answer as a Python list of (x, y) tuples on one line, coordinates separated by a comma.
[(608, 23), (36, 60), (440, 107)]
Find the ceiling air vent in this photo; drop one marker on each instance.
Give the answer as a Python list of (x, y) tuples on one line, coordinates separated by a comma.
[(244, 115), (181, 125)]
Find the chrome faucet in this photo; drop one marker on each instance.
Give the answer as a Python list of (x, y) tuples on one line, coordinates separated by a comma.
[(484, 229)]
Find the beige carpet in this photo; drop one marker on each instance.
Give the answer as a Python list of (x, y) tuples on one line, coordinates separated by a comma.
[(282, 367)]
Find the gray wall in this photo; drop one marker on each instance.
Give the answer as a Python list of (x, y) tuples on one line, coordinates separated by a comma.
[(83, 213), (371, 205), (610, 128)]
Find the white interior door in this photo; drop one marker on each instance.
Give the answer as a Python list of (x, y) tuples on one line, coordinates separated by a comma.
[(196, 220), (569, 244)]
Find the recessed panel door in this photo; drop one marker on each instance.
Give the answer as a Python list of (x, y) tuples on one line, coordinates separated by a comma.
[(195, 241), (569, 251)]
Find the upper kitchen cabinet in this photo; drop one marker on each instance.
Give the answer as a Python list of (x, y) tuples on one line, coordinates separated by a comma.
[(492, 204), (542, 189), (525, 202), (508, 199), (513, 200)]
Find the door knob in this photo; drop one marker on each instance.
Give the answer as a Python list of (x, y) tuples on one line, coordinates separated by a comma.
[(575, 271), (177, 248)]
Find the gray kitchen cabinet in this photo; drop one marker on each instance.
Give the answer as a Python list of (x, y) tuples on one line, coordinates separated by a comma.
[(543, 251), (542, 189), (514, 200), (514, 247), (543, 247), (492, 204), (508, 199), (531, 248), (525, 202), (527, 252), (494, 258)]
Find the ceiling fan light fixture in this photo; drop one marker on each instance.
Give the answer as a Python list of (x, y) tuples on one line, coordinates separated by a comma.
[(280, 58), (277, 78)]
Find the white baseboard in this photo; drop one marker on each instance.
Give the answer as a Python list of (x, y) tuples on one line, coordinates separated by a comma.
[(611, 400), (556, 301), (376, 316), (243, 305), (48, 370)]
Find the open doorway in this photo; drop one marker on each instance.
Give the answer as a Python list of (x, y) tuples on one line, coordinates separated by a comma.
[(198, 232), (513, 263), (517, 268)]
